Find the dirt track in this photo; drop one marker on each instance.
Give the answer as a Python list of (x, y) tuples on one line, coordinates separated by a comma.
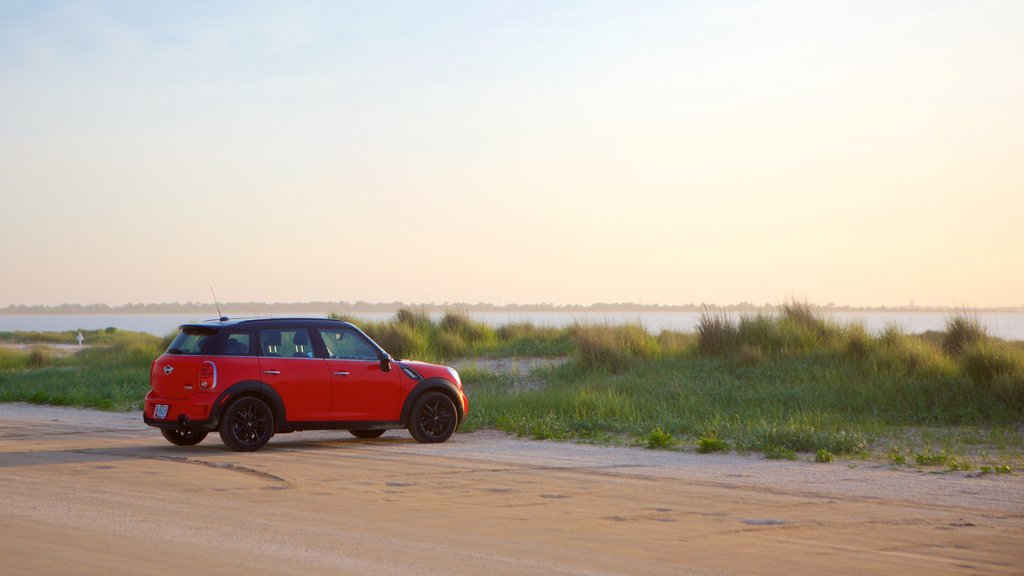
[(94, 493)]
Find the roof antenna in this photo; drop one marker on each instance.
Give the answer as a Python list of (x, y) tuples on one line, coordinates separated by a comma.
[(217, 304)]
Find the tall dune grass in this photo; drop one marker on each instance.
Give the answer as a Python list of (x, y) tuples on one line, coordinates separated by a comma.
[(613, 348), (789, 381), (793, 380)]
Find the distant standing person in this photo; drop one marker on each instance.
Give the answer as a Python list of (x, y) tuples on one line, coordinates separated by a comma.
[(80, 338)]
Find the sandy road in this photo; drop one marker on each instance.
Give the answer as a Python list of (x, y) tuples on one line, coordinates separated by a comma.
[(94, 493)]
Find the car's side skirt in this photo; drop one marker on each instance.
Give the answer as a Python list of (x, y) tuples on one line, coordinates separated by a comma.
[(339, 425)]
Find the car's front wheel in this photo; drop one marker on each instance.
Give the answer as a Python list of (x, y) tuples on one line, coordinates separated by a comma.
[(247, 424), (367, 434), (433, 418), (183, 436)]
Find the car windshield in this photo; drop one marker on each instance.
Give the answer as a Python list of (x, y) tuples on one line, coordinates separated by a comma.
[(189, 341)]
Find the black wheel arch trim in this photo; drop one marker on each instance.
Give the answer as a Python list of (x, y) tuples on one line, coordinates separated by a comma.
[(429, 385), (251, 388)]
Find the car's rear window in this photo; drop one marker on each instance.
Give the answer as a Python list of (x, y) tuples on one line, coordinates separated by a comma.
[(190, 341)]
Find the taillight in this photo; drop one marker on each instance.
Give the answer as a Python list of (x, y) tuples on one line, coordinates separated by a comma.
[(207, 376)]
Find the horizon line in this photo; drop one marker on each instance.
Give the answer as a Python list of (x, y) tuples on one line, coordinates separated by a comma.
[(364, 306)]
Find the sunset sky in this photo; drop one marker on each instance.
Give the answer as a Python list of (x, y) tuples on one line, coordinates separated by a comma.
[(856, 152)]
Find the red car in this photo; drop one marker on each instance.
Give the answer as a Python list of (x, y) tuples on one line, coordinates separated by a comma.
[(251, 379)]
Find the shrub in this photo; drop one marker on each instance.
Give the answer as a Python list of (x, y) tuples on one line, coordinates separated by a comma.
[(517, 331), (800, 313), (823, 456), (962, 330), (903, 354), (12, 358), (716, 333), (597, 348), (417, 319), (526, 339), (636, 339), (400, 339), (659, 439), (858, 344), (674, 342), (456, 321), (460, 324), (39, 357), (997, 367), (613, 347), (711, 443), (987, 361), (450, 345)]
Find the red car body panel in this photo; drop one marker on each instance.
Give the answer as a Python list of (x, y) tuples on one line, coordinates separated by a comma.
[(362, 391), (304, 385)]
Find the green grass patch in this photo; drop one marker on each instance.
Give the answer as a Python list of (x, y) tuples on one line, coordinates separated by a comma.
[(111, 374)]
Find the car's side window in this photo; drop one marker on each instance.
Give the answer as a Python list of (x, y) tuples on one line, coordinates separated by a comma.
[(237, 344), (347, 345), (286, 343)]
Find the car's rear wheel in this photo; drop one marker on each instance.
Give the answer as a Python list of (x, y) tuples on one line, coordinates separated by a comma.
[(183, 436), (433, 418), (247, 424), (376, 433)]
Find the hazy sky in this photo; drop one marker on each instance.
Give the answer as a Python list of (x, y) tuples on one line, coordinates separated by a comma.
[(857, 152)]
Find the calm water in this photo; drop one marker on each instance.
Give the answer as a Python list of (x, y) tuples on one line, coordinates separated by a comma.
[(1008, 325)]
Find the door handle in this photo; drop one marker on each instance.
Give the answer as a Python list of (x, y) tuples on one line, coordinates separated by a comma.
[(271, 372), (342, 373)]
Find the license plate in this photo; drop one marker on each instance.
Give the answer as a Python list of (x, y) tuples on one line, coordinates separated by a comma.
[(160, 411)]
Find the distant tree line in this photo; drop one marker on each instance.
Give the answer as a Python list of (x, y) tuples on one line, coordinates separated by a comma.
[(324, 307)]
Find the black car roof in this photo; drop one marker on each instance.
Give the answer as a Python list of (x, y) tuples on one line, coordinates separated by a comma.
[(257, 323)]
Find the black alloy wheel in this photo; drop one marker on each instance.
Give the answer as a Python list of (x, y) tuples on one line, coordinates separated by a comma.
[(247, 424), (434, 418), (183, 436)]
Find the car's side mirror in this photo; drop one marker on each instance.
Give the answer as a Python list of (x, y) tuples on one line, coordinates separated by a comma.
[(385, 364)]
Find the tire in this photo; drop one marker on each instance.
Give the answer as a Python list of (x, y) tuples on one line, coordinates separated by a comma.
[(433, 418), (247, 424), (183, 436), (367, 434)]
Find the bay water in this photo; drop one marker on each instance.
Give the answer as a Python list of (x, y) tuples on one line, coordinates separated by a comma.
[(1006, 325)]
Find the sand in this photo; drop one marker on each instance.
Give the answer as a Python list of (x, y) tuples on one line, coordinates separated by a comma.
[(87, 492)]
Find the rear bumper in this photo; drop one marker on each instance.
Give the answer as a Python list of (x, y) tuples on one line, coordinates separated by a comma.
[(180, 414), (182, 422)]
